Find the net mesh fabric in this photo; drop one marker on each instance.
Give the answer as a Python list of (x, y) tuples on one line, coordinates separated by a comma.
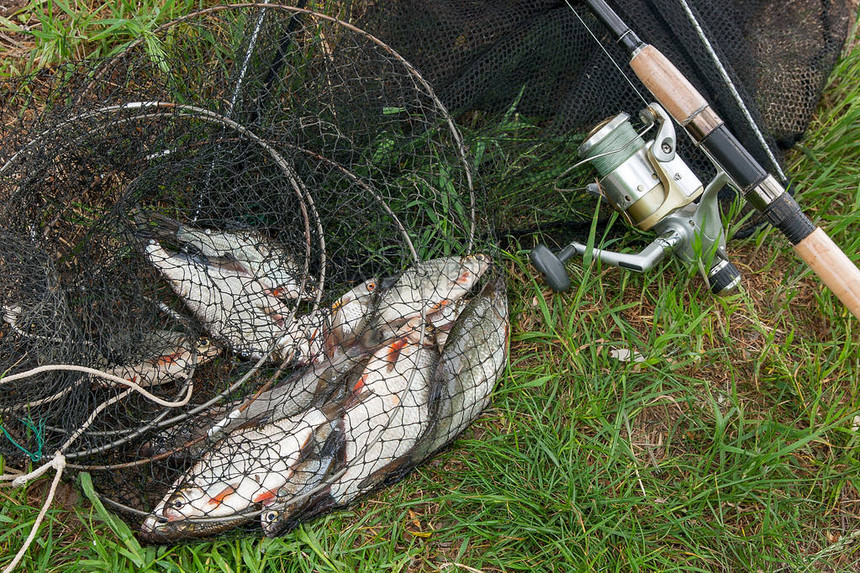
[(486, 59), (267, 222)]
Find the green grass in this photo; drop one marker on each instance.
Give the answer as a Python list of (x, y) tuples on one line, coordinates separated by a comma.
[(733, 446), (62, 30)]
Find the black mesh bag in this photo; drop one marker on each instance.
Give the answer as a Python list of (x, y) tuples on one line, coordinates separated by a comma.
[(761, 64)]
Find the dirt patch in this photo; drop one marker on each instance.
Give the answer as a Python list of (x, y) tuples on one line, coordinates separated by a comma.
[(13, 46), (9, 7)]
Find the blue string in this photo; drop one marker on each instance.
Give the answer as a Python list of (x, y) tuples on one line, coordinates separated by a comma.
[(40, 440)]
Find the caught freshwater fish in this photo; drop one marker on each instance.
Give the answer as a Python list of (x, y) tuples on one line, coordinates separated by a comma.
[(472, 361), (233, 306), (311, 387), (391, 413), (458, 389), (366, 411), (220, 490), (245, 251), (428, 287), (324, 331), (168, 356)]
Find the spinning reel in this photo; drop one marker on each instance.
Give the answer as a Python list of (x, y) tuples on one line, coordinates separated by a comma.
[(653, 189)]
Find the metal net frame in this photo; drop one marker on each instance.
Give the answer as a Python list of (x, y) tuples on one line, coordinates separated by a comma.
[(247, 276)]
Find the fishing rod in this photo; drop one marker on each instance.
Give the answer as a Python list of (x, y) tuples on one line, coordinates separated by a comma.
[(655, 190)]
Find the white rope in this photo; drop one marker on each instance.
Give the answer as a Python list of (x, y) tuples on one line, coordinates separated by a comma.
[(99, 374), (58, 463)]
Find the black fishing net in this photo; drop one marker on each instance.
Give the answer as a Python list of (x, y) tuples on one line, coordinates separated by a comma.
[(264, 219), (533, 73)]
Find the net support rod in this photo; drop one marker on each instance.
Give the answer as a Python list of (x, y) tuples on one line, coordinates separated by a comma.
[(692, 112)]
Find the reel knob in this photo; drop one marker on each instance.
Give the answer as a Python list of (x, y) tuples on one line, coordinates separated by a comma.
[(724, 277), (552, 267)]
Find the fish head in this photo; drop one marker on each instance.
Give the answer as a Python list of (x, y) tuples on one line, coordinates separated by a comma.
[(359, 296), (160, 530), (206, 349), (270, 521), (184, 503), (444, 281), (170, 518), (472, 268), (350, 312), (192, 511)]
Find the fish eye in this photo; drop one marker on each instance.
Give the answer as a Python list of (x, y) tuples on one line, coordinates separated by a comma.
[(371, 286), (271, 516), (178, 504)]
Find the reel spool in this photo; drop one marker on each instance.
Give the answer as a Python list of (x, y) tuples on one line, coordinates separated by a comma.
[(654, 189)]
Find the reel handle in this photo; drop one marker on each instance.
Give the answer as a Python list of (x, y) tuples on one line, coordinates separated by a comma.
[(551, 266)]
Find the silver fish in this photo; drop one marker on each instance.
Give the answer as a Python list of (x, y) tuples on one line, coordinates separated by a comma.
[(233, 306), (443, 320), (320, 332), (351, 311), (316, 383), (308, 481), (313, 386), (230, 479), (388, 422), (427, 288), (471, 363), (246, 251), (169, 356), (384, 424)]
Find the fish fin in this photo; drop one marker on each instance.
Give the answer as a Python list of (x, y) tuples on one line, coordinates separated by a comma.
[(166, 359), (330, 337), (439, 305), (335, 444), (464, 277), (227, 263), (394, 351), (266, 496), (359, 384), (339, 458), (222, 495)]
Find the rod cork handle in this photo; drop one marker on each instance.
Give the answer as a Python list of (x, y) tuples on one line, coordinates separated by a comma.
[(667, 84), (833, 266)]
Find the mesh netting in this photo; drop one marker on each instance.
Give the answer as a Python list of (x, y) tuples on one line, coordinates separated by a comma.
[(265, 220), (761, 64)]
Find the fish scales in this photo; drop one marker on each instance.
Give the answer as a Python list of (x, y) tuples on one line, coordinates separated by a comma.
[(247, 251), (233, 307), (227, 480), (313, 386), (471, 363), (427, 287), (168, 356), (387, 424), (384, 425)]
